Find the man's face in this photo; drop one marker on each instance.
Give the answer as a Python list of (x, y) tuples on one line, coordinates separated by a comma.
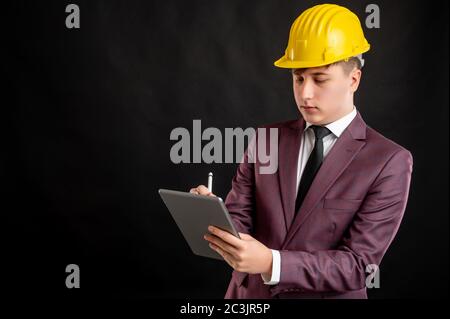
[(323, 95)]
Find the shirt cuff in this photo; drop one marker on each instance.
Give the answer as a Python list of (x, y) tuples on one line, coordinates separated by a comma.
[(276, 269)]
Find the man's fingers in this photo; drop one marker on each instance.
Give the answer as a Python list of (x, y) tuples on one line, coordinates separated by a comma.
[(201, 190), (226, 256), (245, 236), (226, 237), (193, 191), (222, 245)]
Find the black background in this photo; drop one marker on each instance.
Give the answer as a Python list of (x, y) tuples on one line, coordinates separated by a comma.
[(87, 115)]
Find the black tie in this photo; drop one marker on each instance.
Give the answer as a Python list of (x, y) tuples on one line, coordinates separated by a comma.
[(313, 164)]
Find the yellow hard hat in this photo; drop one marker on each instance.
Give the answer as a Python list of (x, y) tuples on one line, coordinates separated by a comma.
[(322, 35)]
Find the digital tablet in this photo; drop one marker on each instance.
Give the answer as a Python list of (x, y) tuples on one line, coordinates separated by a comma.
[(193, 214)]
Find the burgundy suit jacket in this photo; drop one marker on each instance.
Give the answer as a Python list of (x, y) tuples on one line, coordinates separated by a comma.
[(347, 220)]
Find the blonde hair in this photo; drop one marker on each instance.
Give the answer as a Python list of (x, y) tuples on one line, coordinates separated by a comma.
[(347, 65)]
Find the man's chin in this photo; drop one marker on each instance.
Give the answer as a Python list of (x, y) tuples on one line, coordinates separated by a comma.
[(316, 119)]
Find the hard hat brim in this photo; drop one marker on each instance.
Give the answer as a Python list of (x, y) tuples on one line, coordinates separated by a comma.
[(286, 63)]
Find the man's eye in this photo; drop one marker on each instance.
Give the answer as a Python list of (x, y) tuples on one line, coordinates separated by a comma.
[(320, 80), (299, 80)]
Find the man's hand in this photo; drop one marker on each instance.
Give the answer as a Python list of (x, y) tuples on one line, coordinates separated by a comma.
[(244, 255), (201, 190)]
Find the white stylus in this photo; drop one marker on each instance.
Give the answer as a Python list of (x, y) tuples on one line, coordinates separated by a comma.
[(210, 176)]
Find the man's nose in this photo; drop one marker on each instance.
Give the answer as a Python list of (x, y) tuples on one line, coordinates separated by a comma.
[(306, 90)]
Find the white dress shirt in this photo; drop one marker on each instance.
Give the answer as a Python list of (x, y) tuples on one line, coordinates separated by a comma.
[(306, 147)]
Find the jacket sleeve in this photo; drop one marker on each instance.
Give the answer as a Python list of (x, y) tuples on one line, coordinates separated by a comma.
[(240, 201), (365, 242)]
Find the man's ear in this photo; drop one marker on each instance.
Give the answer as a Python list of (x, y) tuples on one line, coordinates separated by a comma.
[(355, 78)]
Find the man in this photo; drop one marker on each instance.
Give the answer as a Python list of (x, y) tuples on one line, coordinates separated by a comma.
[(330, 212)]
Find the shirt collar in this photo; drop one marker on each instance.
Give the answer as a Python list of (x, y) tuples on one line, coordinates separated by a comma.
[(338, 126)]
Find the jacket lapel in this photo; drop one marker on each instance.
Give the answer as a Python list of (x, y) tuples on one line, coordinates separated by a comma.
[(339, 157), (287, 165)]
